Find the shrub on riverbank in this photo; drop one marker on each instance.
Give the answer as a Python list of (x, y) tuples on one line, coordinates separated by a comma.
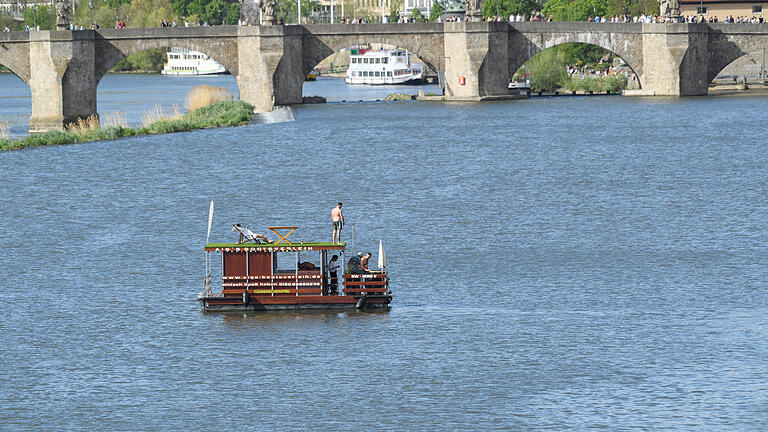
[(217, 115), (613, 84), (205, 95), (547, 70), (150, 61)]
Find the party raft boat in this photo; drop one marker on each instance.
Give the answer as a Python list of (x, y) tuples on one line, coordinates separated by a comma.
[(259, 276)]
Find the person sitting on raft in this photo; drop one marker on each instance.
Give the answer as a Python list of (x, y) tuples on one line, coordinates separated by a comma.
[(248, 235)]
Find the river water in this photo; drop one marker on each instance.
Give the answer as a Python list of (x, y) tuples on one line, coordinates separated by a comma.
[(556, 264)]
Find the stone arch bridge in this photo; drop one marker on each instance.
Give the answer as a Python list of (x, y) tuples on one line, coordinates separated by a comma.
[(63, 68)]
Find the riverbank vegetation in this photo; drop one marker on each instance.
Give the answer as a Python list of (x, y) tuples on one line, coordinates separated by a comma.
[(575, 67), (548, 71), (149, 61), (155, 121)]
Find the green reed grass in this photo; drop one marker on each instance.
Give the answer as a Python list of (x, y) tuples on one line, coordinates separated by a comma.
[(220, 114)]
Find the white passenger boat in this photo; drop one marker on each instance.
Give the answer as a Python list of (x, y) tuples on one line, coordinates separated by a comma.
[(383, 66), (180, 61)]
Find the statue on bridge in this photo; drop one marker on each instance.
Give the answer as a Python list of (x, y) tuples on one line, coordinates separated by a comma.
[(63, 19), (268, 16), (670, 9), (474, 10)]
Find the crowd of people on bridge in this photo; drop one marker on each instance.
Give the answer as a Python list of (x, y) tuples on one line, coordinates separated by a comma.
[(728, 20), (513, 18), (647, 19), (94, 26)]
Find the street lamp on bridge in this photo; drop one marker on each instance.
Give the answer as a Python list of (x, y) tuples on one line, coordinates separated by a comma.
[(90, 13)]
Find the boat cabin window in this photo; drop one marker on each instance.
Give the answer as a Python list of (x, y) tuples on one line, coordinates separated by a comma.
[(377, 60), (389, 74), (377, 73), (308, 262), (354, 60), (384, 60)]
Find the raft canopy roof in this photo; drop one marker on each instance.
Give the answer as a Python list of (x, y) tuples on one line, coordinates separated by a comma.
[(277, 247)]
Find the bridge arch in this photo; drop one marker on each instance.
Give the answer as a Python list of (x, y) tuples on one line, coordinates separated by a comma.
[(727, 45), (623, 40), (14, 54), (424, 40), (115, 45)]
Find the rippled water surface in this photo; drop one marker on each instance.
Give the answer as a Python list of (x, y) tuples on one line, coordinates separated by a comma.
[(556, 264)]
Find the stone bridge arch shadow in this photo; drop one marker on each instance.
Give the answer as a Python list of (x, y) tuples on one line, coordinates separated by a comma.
[(727, 49), (424, 41), (524, 43), (169, 90), (15, 57)]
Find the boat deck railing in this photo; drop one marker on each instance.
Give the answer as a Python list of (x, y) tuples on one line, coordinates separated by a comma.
[(305, 283), (370, 283)]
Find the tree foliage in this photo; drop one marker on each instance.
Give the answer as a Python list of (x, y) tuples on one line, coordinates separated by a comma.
[(579, 53), (286, 9), (214, 12), (394, 10), (436, 11), (43, 16), (582, 10), (505, 8), (417, 16), (114, 4), (576, 10), (150, 60), (6, 20), (547, 70)]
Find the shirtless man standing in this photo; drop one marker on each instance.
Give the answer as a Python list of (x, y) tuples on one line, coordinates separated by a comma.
[(338, 223)]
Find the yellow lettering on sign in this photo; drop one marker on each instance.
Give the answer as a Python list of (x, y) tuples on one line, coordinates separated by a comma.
[(283, 291)]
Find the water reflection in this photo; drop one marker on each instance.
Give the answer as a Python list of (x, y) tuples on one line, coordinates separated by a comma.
[(251, 320)]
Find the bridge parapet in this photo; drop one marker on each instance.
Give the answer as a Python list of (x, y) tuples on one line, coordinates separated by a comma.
[(575, 27)]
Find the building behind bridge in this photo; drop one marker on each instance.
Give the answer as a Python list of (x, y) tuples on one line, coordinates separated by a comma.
[(722, 9), (371, 9)]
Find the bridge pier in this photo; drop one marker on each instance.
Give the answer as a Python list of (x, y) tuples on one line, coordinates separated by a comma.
[(675, 61), (62, 79), (476, 60), (270, 67)]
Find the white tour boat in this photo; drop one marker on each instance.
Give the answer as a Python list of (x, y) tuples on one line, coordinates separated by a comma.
[(383, 66), (182, 61)]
